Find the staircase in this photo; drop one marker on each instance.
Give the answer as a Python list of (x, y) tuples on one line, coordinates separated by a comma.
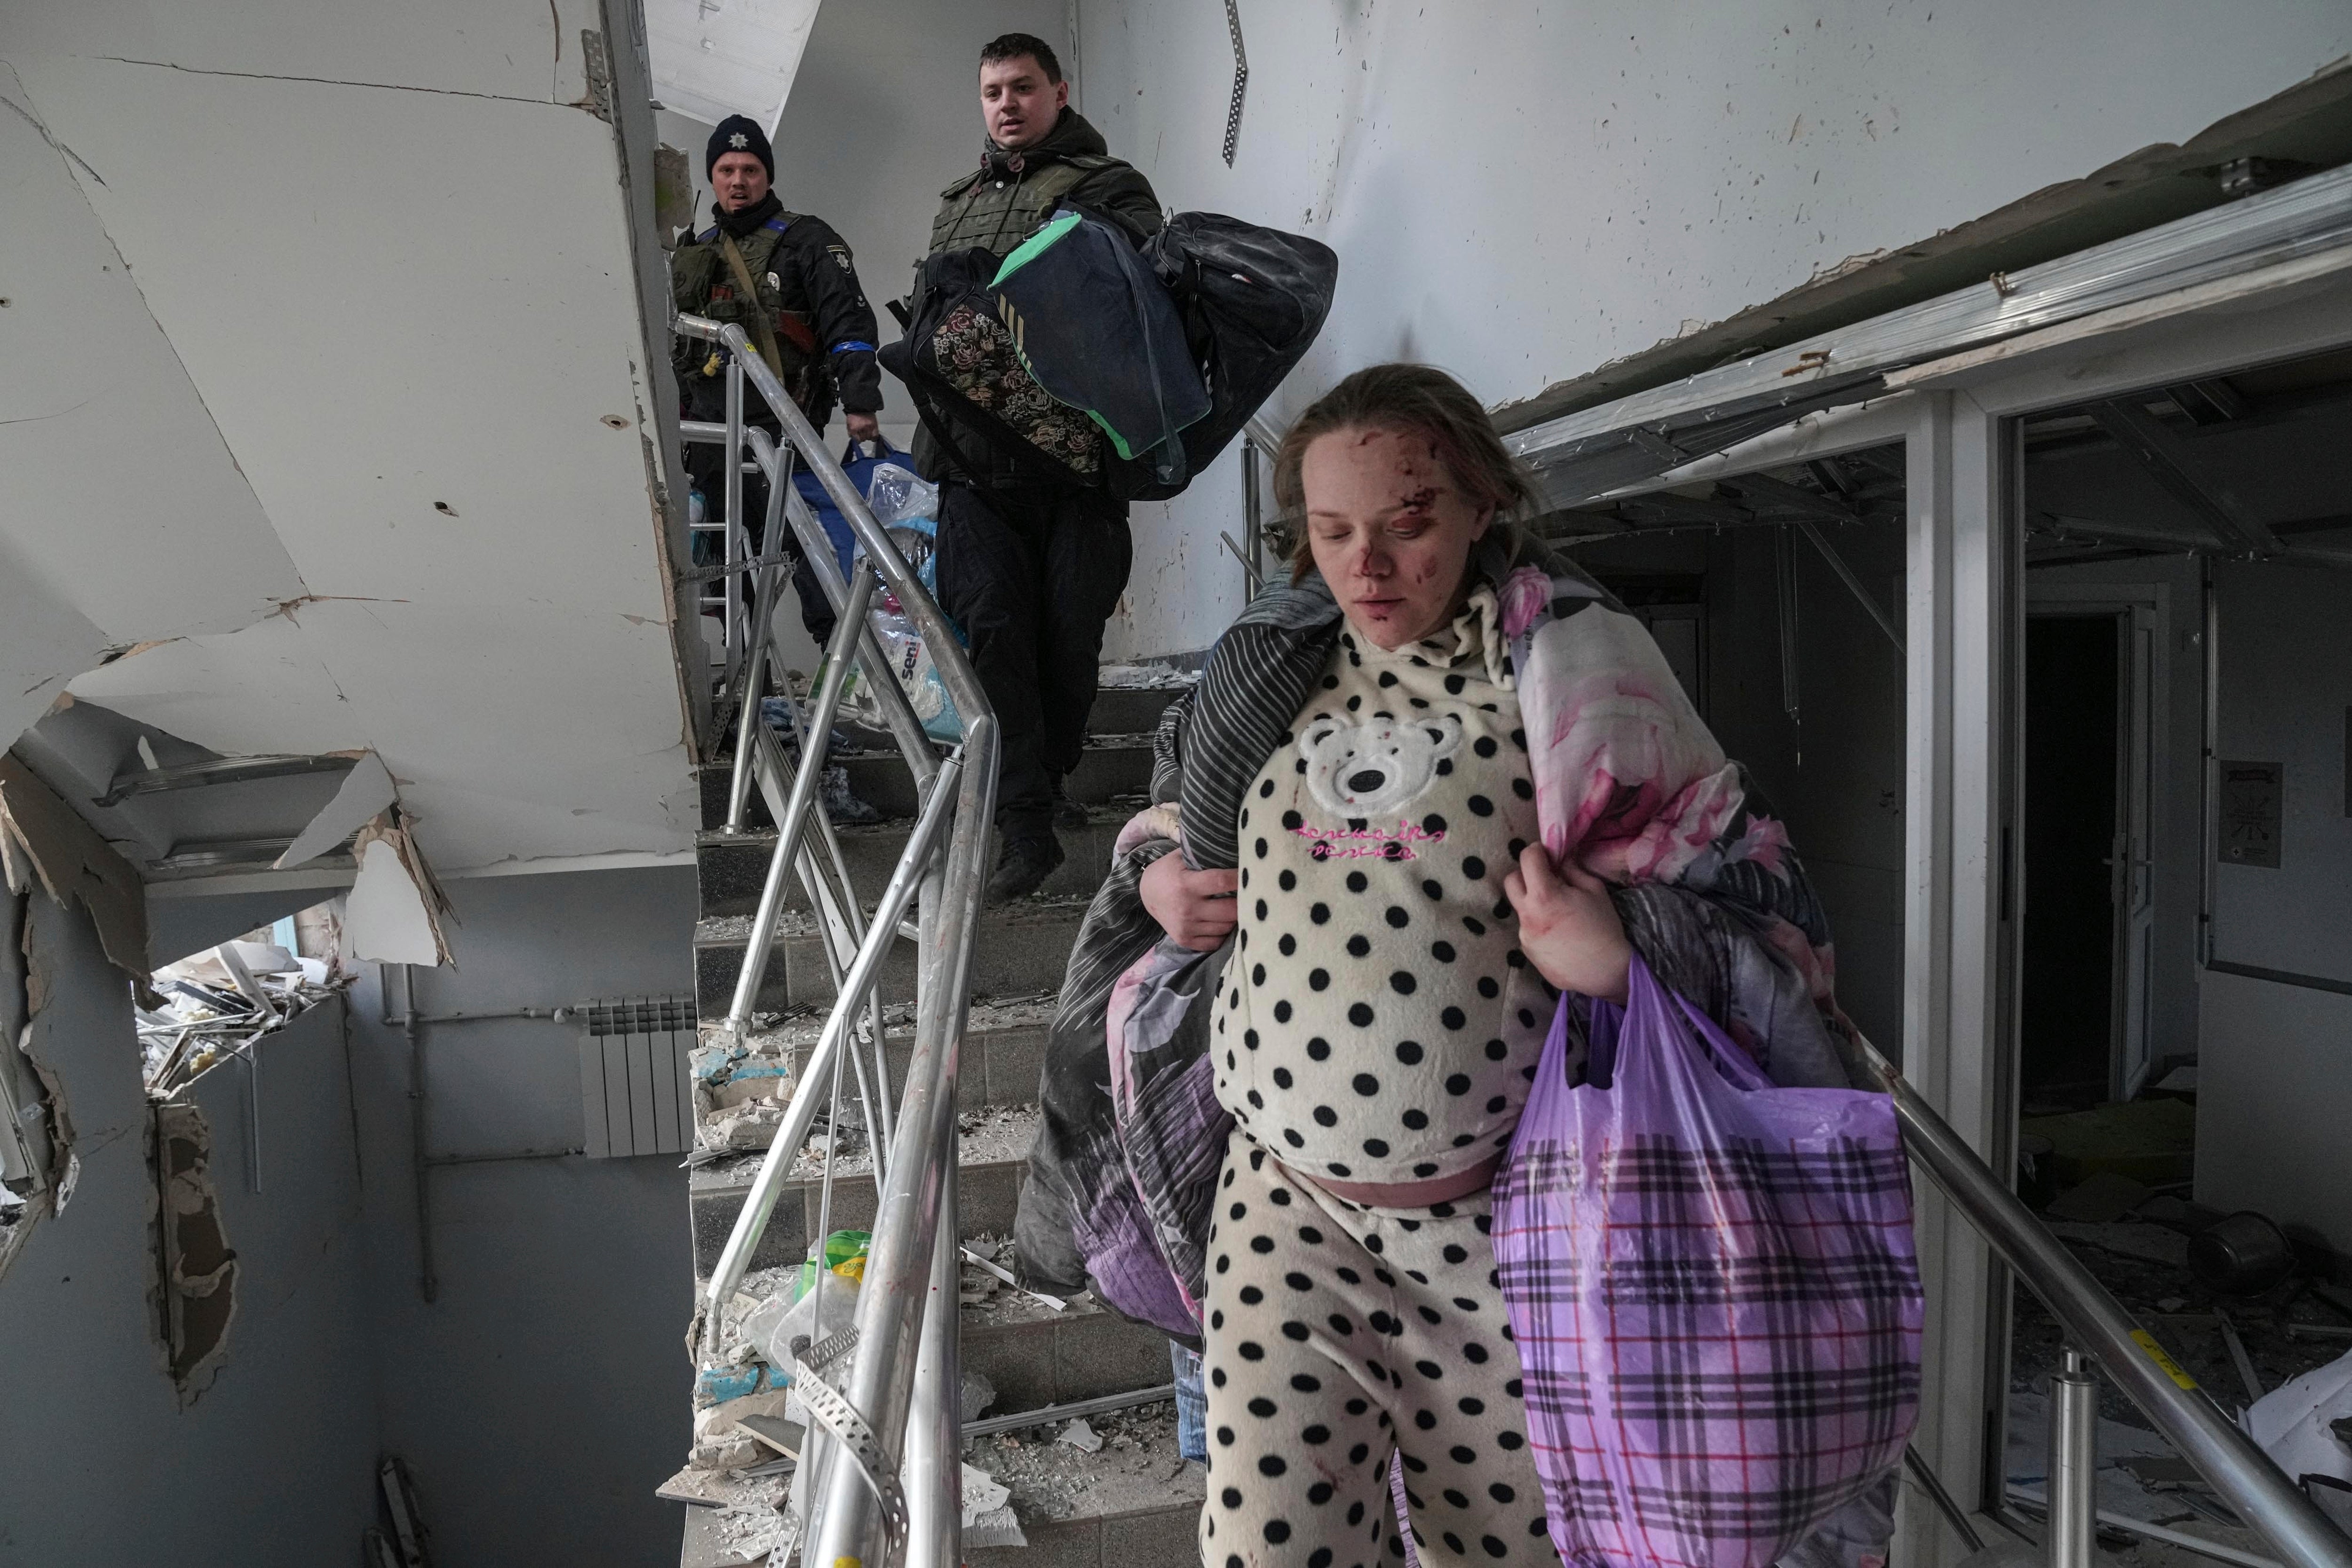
[(1133, 1502)]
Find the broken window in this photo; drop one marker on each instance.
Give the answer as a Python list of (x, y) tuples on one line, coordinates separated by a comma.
[(216, 1005)]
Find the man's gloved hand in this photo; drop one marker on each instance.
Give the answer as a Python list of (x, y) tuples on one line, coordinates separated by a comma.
[(863, 426)]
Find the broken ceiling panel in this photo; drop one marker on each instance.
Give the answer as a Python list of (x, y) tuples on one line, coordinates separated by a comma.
[(366, 791), (172, 541), (44, 642), (74, 865), (525, 49), (455, 463), (262, 689), (712, 58), (517, 733), (391, 914), (454, 443)]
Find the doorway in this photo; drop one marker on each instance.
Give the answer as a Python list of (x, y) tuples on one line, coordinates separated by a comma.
[(2093, 706), (2066, 1034)]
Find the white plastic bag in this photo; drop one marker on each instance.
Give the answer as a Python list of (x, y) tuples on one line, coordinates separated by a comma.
[(910, 661), (896, 493)]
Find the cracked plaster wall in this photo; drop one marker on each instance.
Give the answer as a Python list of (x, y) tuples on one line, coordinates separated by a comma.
[(542, 1398), (1520, 193), (273, 1464)]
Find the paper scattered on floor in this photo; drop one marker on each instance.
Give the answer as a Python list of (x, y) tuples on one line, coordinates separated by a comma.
[(983, 1493), (1078, 1435)]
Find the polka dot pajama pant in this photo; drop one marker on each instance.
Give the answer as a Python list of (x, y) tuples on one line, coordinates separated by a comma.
[(1336, 1336)]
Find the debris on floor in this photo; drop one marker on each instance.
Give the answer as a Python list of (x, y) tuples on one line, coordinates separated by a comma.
[(1145, 678), (2150, 1243), (2220, 1293), (215, 1004), (1081, 1436), (2306, 1425), (1137, 1466), (2151, 1141), (988, 1516), (740, 1093)]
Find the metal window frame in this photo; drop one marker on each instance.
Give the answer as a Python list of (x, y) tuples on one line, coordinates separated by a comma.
[(2263, 280), (2305, 225)]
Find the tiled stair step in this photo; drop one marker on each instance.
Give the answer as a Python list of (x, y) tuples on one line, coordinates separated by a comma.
[(1111, 765), (992, 1162), (1022, 949), (1129, 710), (1136, 1506), (734, 866), (1132, 1506), (1003, 1048), (1119, 730)]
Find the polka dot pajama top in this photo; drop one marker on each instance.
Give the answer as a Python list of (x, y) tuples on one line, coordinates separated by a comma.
[(1380, 1026)]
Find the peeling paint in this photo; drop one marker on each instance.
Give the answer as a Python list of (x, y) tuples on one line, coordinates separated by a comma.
[(199, 1266)]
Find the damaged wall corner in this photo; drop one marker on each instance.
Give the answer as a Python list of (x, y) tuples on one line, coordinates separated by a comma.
[(39, 831), (281, 1445)]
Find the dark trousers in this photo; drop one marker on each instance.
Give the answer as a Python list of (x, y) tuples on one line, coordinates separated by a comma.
[(1032, 577), (705, 467)]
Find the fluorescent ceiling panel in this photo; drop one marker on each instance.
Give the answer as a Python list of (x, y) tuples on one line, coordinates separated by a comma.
[(712, 58)]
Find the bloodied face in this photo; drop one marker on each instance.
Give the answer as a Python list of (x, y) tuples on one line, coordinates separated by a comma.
[(1389, 530)]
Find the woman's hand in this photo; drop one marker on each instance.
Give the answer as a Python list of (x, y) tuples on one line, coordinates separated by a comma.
[(1568, 929), (1196, 908)]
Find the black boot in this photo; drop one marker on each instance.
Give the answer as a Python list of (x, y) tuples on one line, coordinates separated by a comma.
[(1067, 813), (1022, 867)]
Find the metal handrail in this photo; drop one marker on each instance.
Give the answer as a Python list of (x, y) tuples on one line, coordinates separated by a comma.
[(2099, 1329), (893, 1386)]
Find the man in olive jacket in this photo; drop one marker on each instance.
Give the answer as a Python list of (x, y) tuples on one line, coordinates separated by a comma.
[(1031, 568)]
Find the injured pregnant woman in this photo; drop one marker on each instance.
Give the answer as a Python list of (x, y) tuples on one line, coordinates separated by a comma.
[(1434, 781)]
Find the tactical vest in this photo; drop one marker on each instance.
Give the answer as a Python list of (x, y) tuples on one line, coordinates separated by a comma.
[(1000, 214), (703, 284)]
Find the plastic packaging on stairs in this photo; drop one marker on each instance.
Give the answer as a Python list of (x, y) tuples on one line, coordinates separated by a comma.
[(908, 507)]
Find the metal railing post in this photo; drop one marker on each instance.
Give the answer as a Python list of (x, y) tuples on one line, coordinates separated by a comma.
[(755, 671), (849, 997), (746, 720), (933, 1468), (731, 492), (908, 1213), (2073, 1463), (789, 832), (885, 1382)]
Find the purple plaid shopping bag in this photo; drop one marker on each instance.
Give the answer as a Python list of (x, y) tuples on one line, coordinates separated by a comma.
[(1715, 1296)]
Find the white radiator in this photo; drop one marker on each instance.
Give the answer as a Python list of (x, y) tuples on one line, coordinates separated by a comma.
[(635, 1097)]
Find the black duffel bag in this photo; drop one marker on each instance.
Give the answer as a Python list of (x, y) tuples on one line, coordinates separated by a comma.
[(1251, 299)]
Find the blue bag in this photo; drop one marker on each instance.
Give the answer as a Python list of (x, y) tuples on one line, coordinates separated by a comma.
[(860, 470)]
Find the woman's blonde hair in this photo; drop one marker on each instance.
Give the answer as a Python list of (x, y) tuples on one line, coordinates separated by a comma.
[(1419, 400)]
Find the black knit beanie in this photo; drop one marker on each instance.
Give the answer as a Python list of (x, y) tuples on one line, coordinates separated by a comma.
[(737, 134)]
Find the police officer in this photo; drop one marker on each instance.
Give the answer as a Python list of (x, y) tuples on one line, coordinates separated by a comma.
[(1031, 568), (787, 280)]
